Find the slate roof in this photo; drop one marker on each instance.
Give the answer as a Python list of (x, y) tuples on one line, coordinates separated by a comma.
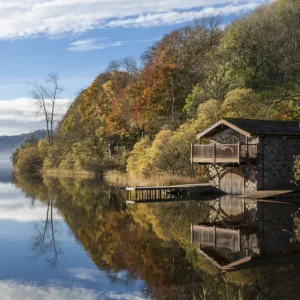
[(254, 127)]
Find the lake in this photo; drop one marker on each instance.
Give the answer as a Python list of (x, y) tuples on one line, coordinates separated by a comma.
[(72, 239)]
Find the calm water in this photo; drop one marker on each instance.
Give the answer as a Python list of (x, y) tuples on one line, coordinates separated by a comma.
[(78, 240)]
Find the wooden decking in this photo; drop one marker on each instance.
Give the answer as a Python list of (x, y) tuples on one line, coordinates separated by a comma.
[(224, 153), (142, 194)]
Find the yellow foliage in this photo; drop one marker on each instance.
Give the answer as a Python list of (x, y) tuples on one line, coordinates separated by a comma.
[(43, 147), (29, 161), (244, 103), (138, 162), (208, 113)]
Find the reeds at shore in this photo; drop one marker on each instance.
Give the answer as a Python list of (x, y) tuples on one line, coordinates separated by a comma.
[(121, 179)]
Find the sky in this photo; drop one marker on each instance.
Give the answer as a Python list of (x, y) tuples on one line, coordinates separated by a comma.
[(78, 38)]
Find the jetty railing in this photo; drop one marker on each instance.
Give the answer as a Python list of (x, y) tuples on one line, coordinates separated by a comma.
[(152, 194), (223, 153)]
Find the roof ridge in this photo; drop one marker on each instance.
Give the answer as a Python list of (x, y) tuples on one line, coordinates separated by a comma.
[(255, 127), (244, 119)]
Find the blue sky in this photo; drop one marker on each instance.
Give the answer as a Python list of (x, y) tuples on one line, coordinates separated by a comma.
[(77, 39)]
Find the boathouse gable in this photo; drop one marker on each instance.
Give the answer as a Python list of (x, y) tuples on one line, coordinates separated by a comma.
[(244, 156)]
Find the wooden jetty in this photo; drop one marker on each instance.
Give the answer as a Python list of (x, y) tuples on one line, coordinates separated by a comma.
[(144, 194)]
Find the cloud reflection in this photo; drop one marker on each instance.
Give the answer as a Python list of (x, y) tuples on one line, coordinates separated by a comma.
[(14, 206), (28, 291)]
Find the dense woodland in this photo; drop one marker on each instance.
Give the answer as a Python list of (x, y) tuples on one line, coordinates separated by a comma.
[(143, 119)]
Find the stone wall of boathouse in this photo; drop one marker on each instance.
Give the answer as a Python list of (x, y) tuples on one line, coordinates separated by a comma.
[(276, 161), (228, 136)]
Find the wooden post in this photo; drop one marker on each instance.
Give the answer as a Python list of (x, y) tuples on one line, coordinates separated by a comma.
[(200, 239), (214, 152), (192, 161), (215, 236), (239, 240), (239, 152)]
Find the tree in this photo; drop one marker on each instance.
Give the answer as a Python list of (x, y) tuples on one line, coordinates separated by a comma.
[(244, 103), (127, 65), (264, 48), (46, 96)]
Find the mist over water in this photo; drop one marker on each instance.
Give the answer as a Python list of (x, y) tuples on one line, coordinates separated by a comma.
[(5, 167), (5, 156)]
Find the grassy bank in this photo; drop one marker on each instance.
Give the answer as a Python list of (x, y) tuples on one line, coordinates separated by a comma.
[(118, 178)]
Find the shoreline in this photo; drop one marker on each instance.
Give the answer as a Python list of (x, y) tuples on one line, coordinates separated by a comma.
[(122, 179), (69, 173)]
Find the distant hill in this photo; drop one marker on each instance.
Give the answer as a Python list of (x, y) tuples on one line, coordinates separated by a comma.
[(10, 143)]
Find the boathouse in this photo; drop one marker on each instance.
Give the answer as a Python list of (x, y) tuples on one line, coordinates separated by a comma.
[(245, 156)]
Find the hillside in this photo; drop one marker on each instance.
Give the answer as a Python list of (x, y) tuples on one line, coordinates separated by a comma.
[(144, 119)]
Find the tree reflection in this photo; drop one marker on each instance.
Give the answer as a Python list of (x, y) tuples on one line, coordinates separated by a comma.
[(148, 242), (45, 240)]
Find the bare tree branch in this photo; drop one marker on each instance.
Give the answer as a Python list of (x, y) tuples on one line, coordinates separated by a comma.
[(46, 96)]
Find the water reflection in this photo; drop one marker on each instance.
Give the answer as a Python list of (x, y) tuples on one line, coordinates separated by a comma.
[(45, 241), (237, 230), (5, 170), (32, 233), (108, 250)]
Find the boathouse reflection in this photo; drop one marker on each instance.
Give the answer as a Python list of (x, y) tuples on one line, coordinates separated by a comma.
[(237, 230)]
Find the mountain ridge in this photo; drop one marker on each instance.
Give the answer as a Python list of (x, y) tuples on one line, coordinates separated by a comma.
[(10, 143)]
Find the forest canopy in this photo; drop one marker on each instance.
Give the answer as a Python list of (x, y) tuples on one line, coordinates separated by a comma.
[(143, 119)]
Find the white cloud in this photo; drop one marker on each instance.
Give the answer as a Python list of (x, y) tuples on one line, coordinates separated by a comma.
[(11, 290), (91, 44), (20, 115), (174, 17), (20, 18), (96, 44)]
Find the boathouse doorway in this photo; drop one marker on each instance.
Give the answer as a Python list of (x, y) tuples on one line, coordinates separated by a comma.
[(232, 181)]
